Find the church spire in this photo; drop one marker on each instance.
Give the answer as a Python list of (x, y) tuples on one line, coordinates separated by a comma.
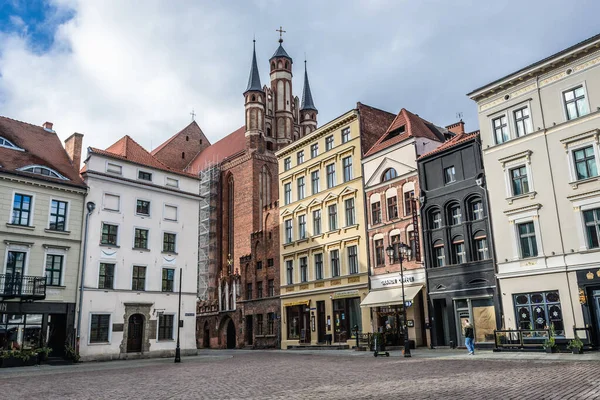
[(254, 78), (307, 100)]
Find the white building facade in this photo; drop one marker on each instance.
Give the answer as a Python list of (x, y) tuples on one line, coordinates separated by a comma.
[(142, 234)]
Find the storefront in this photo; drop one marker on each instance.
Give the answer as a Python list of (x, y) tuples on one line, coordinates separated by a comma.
[(588, 282), (387, 308)]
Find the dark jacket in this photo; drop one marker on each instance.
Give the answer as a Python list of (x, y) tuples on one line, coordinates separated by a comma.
[(469, 331)]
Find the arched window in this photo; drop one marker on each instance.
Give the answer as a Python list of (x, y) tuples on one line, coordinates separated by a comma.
[(439, 257), (8, 144), (272, 65), (286, 65), (435, 219), (475, 209), (454, 214), (41, 170), (458, 250), (253, 98), (389, 174), (279, 65), (268, 131), (480, 246)]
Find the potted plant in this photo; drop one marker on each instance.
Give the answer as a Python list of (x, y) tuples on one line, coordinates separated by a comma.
[(71, 354), (550, 342), (576, 345), (43, 353)]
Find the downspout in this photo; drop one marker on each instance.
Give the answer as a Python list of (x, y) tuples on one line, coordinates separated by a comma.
[(90, 208)]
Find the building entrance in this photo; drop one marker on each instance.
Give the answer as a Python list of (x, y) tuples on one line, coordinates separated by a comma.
[(135, 333), (230, 335)]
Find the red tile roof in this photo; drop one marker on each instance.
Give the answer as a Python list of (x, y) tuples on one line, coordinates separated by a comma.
[(189, 142), (41, 147), (128, 149), (455, 141), (415, 126), (373, 123), (229, 146)]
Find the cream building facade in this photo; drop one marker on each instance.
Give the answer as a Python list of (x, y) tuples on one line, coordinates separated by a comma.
[(540, 138)]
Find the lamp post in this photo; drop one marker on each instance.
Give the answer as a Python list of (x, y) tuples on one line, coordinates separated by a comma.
[(91, 206), (391, 252), (177, 349)]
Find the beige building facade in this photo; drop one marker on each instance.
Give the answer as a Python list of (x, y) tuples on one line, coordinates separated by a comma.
[(540, 138)]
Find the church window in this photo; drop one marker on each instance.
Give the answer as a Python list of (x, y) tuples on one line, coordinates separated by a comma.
[(268, 131), (286, 65), (253, 98), (279, 65), (187, 139), (272, 65)]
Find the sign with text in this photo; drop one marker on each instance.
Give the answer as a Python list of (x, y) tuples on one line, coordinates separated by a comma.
[(394, 279), (345, 294)]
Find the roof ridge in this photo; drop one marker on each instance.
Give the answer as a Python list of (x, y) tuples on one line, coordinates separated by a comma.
[(23, 122), (169, 140)]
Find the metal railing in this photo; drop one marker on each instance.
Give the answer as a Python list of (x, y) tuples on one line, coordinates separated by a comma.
[(586, 338), (22, 286), (520, 339)]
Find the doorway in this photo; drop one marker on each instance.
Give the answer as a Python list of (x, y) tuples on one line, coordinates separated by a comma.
[(440, 322), (135, 333), (249, 330), (57, 334), (321, 321), (206, 336), (230, 335), (596, 316)]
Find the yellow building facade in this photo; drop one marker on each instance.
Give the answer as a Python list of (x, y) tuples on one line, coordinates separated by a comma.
[(324, 257)]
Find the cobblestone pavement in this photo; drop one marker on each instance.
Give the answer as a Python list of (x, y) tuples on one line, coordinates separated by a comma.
[(298, 375)]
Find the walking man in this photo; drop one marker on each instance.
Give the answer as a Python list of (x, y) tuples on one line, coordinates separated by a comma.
[(469, 337)]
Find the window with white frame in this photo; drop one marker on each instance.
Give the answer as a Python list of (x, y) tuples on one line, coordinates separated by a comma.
[(314, 176), (438, 254), (345, 135), (435, 218), (519, 180), (500, 126), (316, 222), (302, 227), (584, 161), (576, 104), (449, 175), (527, 239), (335, 263), (301, 185), (476, 210), (523, 124), (353, 260), (287, 163), (481, 248), (591, 219), (458, 251), (22, 208), (455, 215), (350, 218), (288, 231), (287, 193)]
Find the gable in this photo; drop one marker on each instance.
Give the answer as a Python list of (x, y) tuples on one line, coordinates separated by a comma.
[(386, 162), (180, 149)]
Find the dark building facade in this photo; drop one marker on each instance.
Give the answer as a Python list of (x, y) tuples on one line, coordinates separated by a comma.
[(457, 242)]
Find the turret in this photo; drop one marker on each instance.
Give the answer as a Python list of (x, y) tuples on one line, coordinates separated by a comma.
[(254, 101), (281, 86), (308, 111)]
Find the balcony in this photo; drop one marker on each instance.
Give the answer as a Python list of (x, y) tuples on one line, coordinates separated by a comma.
[(21, 286)]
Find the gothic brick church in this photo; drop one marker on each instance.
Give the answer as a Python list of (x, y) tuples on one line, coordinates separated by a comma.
[(238, 278)]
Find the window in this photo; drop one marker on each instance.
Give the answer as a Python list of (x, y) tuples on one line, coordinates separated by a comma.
[(335, 263), (438, 253), (330, 176), (436, 220), (455, 215), (345, 135), (522, 121), (259, 265), (168, 279), (316, 222), (112, 202), (21, 210), (270, 288), (376, 212), (165, 326), (347, 166), (289, 266), (500, 127), (575, 103), (249, 291), (352, 260), (300, 157), (302, 227), (54, 264), (106, 276), (585, 163), (527, 240), (287, 164), (328, 143), (520, 184), (259, 324), (142, 207), (109, 234), (288, 231), (314, 150), (300, 188), (395, 241), (58, 215), (392, 207), (539, 310), (270, 323), (287, 193), (389, 174), (408, 202), (314, 176), (481, 248), (412, 243), (138, 278), (592, 227), (319, 266), (172, 182), (114, 168), (458, 251), (332, 209), (141, 239), (303, 269), (379, 253), (99, 328), (449, 175), (169, 241), (145, 176), (170, 213), (6, 143), (270, 263), (476, 210)]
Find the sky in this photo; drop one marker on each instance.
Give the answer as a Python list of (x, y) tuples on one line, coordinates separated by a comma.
[(109, 68)]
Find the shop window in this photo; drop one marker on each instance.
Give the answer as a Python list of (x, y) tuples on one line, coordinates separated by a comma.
[(539, 310), (346, 314), (297, 322)]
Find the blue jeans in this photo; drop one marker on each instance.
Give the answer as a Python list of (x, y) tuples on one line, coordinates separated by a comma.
[(470, 345)]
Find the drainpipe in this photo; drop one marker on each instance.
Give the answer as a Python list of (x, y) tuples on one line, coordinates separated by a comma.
[(90, 208)]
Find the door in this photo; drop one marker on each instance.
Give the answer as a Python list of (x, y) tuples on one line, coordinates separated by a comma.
[(461, 317), (206, 337), (249, 330), (596, 301), (231, 335), (15, 266), (57, 334), (321, 321), (135, 333)]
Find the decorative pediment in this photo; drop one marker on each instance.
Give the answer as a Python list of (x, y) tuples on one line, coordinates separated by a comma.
[(299, 208), (314, 203), (330, 197), (348, 191), (400, 167), (286, 212)]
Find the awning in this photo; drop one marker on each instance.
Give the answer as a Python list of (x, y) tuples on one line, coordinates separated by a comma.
[(390, 297)]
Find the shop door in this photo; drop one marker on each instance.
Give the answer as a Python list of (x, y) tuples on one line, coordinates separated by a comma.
[(321, 321), (135, 333), (596, 300), (57, 334), (249, 330), (461, 317), (305, 332)]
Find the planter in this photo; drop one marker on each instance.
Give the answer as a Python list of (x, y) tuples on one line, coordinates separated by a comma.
[(577, 350), (550, 350), (18, 362)]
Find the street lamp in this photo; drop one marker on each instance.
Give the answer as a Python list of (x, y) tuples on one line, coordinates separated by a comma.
[(91, 206), (391, 252)]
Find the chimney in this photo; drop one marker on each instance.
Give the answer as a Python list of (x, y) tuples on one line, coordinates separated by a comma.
[(48, 125), (457, 128), (73, 147)]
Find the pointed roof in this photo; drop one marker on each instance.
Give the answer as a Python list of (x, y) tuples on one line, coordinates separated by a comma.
[(254, 78), (455, 141), (307, 100), (280, 52), (190, 141)]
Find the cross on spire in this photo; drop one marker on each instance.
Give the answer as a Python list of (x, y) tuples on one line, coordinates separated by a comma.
[(281, 32), (193, 114)]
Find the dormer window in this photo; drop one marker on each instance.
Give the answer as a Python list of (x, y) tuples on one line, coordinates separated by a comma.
[(41, 170), (8, 144), (395, 132)]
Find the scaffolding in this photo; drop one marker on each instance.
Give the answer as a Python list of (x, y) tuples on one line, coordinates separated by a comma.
[(207, 229)]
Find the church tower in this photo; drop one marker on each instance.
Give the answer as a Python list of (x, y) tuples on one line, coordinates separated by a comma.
[(308, 111), (283, 100), (254, 102)]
